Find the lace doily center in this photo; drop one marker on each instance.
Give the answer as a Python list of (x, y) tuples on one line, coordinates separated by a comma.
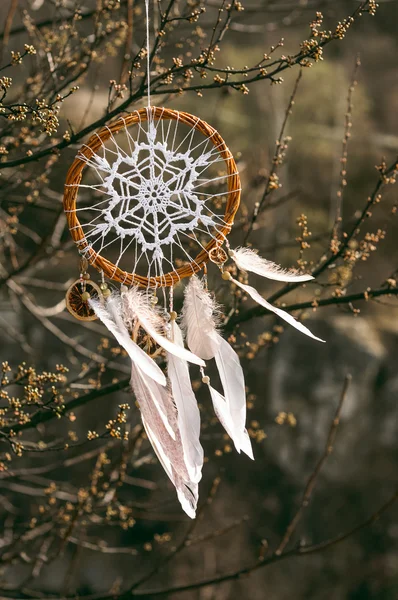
[(152, 195)]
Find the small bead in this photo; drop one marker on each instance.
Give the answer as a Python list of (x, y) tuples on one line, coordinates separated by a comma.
[(85, 296), (103, 286), (173, 315), (226, 276), (106, 293), (206, 379), (83, 264), (86, 276), (154, 300)]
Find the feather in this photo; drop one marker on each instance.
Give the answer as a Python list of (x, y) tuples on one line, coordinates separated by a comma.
[(233, 383), (136, 307), (155, 403), (221, 409), (188, 416), (110, 315), (199, 320), (240, 439), (187, 492), (248, 260), (188, 495), (253, 293), (246, 444)]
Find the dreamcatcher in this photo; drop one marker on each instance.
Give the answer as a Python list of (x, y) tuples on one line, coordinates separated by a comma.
[(158, 200)]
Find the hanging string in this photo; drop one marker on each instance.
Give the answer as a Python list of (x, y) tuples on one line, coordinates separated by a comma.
[(148, 58)]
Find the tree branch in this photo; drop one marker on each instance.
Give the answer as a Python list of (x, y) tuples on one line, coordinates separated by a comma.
[(259, 311)]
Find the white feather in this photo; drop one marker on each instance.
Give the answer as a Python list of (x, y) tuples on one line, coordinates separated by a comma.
[(136, 306), (240, 439), (199, 320), (187, 492), (221, 409), (155, 403), (154, 400), (188, 495), (157, 446), (188, 416), (110, 315), (253, 293), (248, 260), (246, 444), (233, 383)]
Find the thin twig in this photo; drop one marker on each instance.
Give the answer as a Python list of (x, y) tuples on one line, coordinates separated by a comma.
[(309, 488), (344, 155), (7, 27), (259, 311), (128, 43), (275, 161), (303, 550), (281, 65), (185, 540)]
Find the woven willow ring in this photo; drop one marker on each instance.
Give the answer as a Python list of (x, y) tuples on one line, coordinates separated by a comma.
[(131, 196)]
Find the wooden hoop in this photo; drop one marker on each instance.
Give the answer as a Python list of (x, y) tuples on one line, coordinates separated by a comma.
[(74, 178)]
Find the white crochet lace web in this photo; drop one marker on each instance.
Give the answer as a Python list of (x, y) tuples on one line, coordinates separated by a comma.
[(160, 197)]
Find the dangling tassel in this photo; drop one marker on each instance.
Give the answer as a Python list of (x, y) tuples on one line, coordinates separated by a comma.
[(110, 314), (199, 322), (248, 260), (136, 308), (253, 293), (188, 416), (161, 423)]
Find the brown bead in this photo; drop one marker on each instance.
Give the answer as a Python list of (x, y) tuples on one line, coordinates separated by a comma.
[(86, 276), (85, 296), (226, 276), (83, 264)]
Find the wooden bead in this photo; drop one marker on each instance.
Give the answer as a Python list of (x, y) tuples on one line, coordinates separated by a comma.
[(106, 293), (206, 379), (154, 300), (83, 265), (226, 276), (173, 315), (86, 276), (103, 286), (85, 296)]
